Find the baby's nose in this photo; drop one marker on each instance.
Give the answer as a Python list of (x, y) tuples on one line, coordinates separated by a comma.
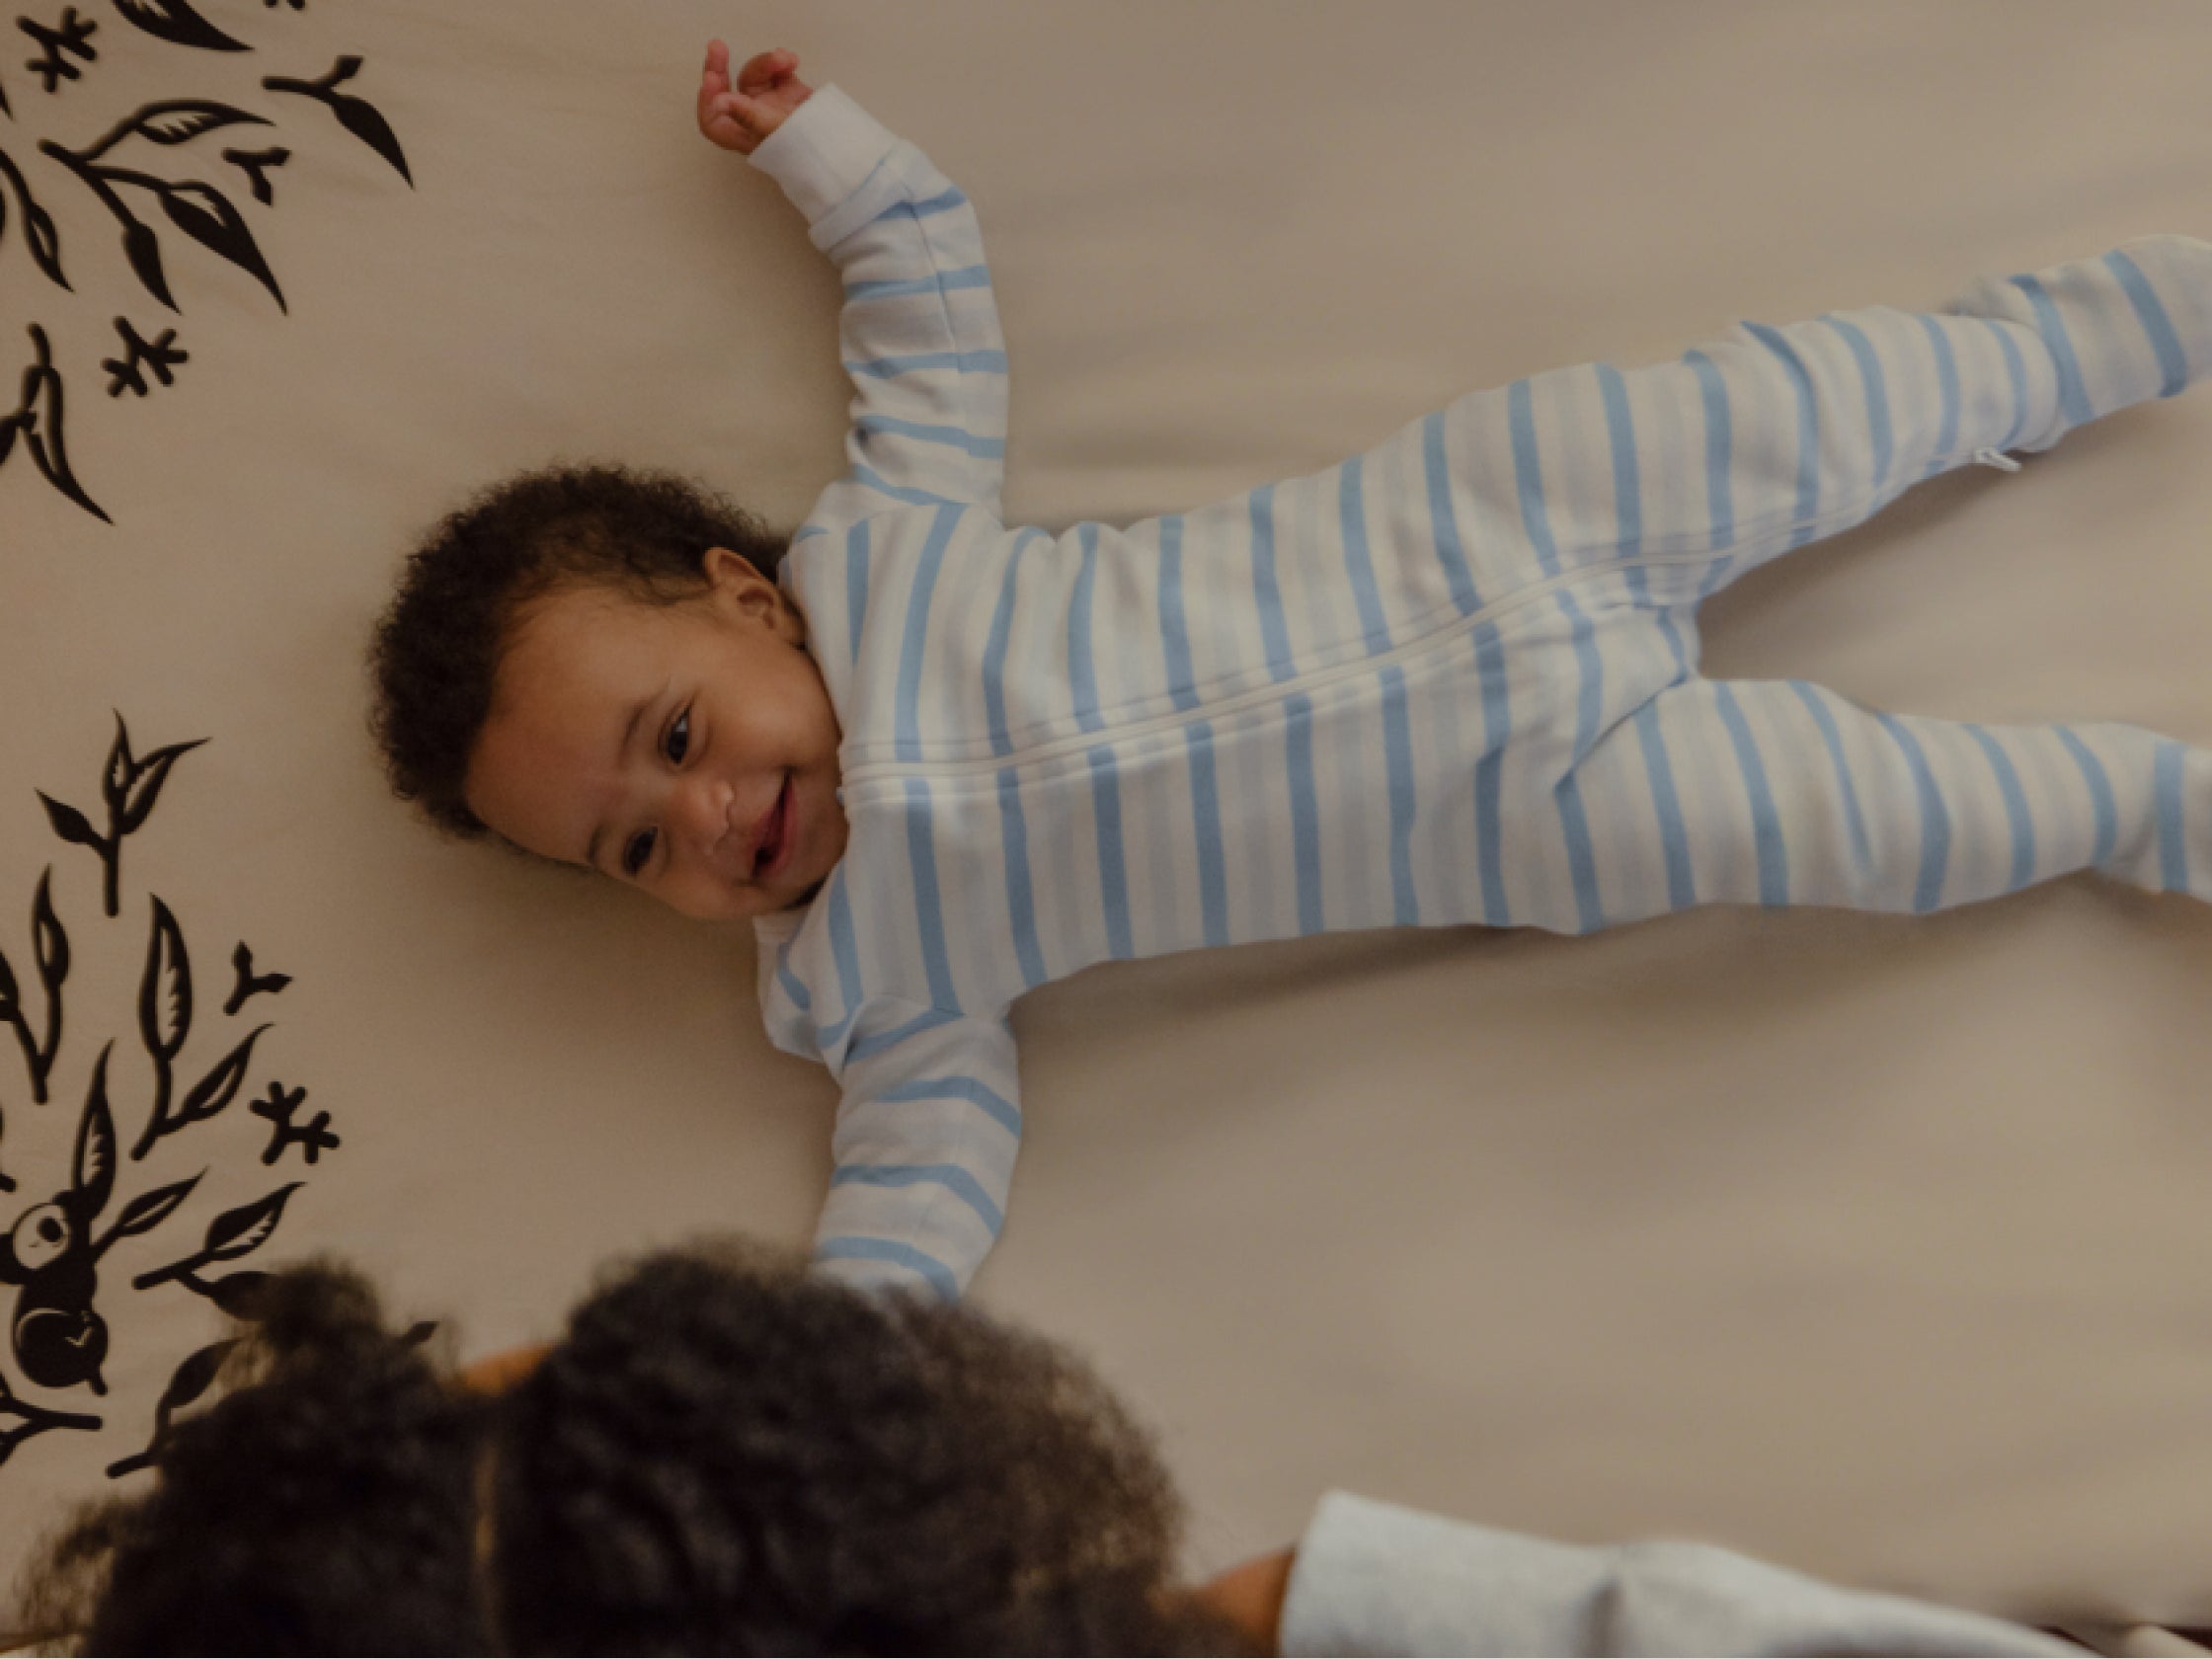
[(703, 814)]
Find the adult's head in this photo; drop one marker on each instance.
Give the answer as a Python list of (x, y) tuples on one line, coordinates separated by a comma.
[(725, 1454)]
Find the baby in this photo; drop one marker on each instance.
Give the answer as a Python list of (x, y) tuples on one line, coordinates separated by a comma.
[(938, 762)]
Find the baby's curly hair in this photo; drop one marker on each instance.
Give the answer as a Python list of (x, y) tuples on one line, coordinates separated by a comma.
[(438, 645), (729, 1453)]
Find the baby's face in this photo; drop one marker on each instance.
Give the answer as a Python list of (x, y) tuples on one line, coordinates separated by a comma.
[(689, 750)]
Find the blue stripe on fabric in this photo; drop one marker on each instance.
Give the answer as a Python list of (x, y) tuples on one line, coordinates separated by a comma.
[(1946, 382), (1876, 388), (2016, 372), (913, 640), (1351, 501), (930, 909), (1934, 818), (1720, 446), (1397, 756), (1305, 810), (943, 202), (1206, 816), (844, 951), (1808, 429), (1831, 735), (793, 986), (1444, 524), (910, 362), (1582, 858), (2015, 809), (2101, 795), (2073, 398), (959, 1087), (803, 531), (1528, 475), (1590, 694), (1765, 824), (942, 282), (1492, 673), (1671, 630), (2174, 846), (954, 1179), (1174, 633), (2173, 364), (995, 648), (1628, 486), (929, 1019), (856, 584), (1274, 636), (882, 486), (846, 1247), (1113, 865), (951, 437), (1674, 834), (1082, 671), (1021, 897)]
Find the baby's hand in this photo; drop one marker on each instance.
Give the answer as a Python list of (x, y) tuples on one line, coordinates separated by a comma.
[(768, 89)]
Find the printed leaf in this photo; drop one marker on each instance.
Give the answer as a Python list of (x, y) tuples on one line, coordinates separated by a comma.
[(364, 122), (115, 776), (176, 23), (143, 249), (94, 1168), (152, 773), (149, 1210), (214, 1091), (178, 119), (164, 991), (52, 942), (190, 1380), (240, 1232), (42, 430), (69, 824), (8, 992), (238, 1294), (204, 214), (45, 242)]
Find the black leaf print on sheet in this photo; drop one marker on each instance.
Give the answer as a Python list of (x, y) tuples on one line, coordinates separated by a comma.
[(38, 233), (187, 1384), (356, 115), (129, 787), (50, 948), (37, 422), (176, 23), (231, 1234)]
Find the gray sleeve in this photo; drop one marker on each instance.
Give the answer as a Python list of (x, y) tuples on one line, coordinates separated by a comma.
[(1373, 1578)]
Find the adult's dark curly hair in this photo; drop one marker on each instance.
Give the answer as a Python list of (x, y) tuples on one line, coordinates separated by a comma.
[(437, 647), (326, 1506), (728, 1453)]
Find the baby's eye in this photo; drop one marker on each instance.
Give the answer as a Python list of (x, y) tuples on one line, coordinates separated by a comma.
[(634, 851), (678, 741)]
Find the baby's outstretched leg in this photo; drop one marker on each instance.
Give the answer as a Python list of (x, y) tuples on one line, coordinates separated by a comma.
[(2097, 335), (1770, 438), (1785, 793)]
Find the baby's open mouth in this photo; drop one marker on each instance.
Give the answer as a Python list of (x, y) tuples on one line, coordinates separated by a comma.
[(775, 835)]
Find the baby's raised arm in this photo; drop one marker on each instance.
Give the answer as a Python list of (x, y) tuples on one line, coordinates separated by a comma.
[(919, 330)]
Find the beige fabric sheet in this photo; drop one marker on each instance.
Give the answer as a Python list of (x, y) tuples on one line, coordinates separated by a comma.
[(1878, 1247)]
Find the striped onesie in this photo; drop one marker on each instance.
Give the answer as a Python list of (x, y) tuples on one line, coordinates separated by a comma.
[(1454, 679)]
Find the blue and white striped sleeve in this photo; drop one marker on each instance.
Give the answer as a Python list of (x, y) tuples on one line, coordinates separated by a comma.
[(925, 1149), (919, 330)]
